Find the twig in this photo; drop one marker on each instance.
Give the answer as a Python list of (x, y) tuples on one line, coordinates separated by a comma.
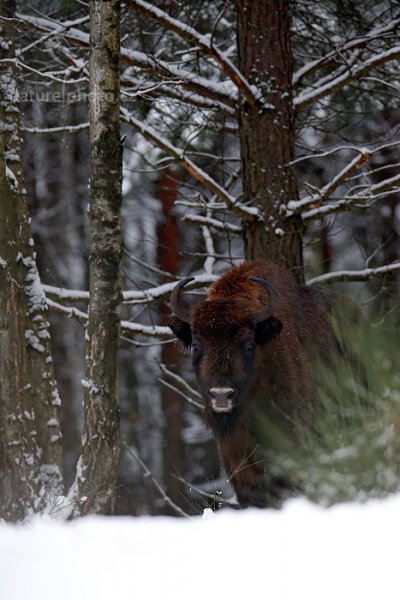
[(191, 395), (215, 497), (178, 391), (248, 214), (156, 483)]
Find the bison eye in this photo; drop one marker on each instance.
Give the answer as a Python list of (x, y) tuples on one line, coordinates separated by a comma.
[(250, 347)]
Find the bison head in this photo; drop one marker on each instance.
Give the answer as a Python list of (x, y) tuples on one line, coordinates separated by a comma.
[(225, 336)]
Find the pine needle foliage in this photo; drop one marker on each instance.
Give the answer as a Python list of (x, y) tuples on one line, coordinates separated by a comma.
[(352, 450)]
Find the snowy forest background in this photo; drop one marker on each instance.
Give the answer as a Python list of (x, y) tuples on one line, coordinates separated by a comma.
[(186, 210)]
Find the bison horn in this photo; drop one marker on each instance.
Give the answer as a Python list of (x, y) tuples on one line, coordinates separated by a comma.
[(267, 310), (180, 308)]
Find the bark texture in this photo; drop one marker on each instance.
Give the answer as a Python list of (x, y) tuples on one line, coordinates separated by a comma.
[(30, 437), (267, 132), (97, 467)]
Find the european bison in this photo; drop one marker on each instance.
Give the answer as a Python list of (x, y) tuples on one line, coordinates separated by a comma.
[(255, 341)]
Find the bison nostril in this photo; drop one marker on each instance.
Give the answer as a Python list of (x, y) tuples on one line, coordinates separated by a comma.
[(222, 398)]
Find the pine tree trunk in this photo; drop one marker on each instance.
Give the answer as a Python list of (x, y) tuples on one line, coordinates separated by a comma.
[(168, 259), (267, 131), (97, 468), (30, 438)]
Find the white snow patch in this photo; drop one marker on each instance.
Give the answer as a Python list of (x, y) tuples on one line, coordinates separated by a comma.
[(13, 181), (303, 552), (34, 341)]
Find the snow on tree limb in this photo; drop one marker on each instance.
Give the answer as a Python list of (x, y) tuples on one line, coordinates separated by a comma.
[(315, 200), (361, 275), (155, 294), (311, 95), (128, 328), (62, 129), (371, 194), (201, 41), (214, 223), (359, 42), (219, 92), (246, 213), (65, 29), (182, 90)]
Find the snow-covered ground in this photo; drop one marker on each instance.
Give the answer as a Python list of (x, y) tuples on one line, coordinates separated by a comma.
[(348, 552)]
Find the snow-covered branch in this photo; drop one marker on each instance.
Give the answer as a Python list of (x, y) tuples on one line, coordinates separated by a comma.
[(315, 200), (128, 329), (361, 275), (201, 41), (214, 223), (155, 294), (360, 195), (178, 89), (66, 29), (62, 76), (317, 92), (245, 212), (220, 92), (339, 51), (62, 129)]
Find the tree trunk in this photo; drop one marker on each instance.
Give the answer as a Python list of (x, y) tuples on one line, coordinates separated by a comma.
[(168, 259), (97, 467), (266, 132), (30, 438)]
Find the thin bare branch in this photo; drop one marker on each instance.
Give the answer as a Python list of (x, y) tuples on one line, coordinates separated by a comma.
[(216, 497), (147, 473), (248, 214), (182, 387)]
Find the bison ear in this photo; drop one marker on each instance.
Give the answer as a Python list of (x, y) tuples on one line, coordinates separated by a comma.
[(182, 330), (267, 330)]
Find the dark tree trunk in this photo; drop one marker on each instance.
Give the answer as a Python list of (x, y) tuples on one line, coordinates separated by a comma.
[(267, 132), (168, 257), (98, 465), (30, 438)]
